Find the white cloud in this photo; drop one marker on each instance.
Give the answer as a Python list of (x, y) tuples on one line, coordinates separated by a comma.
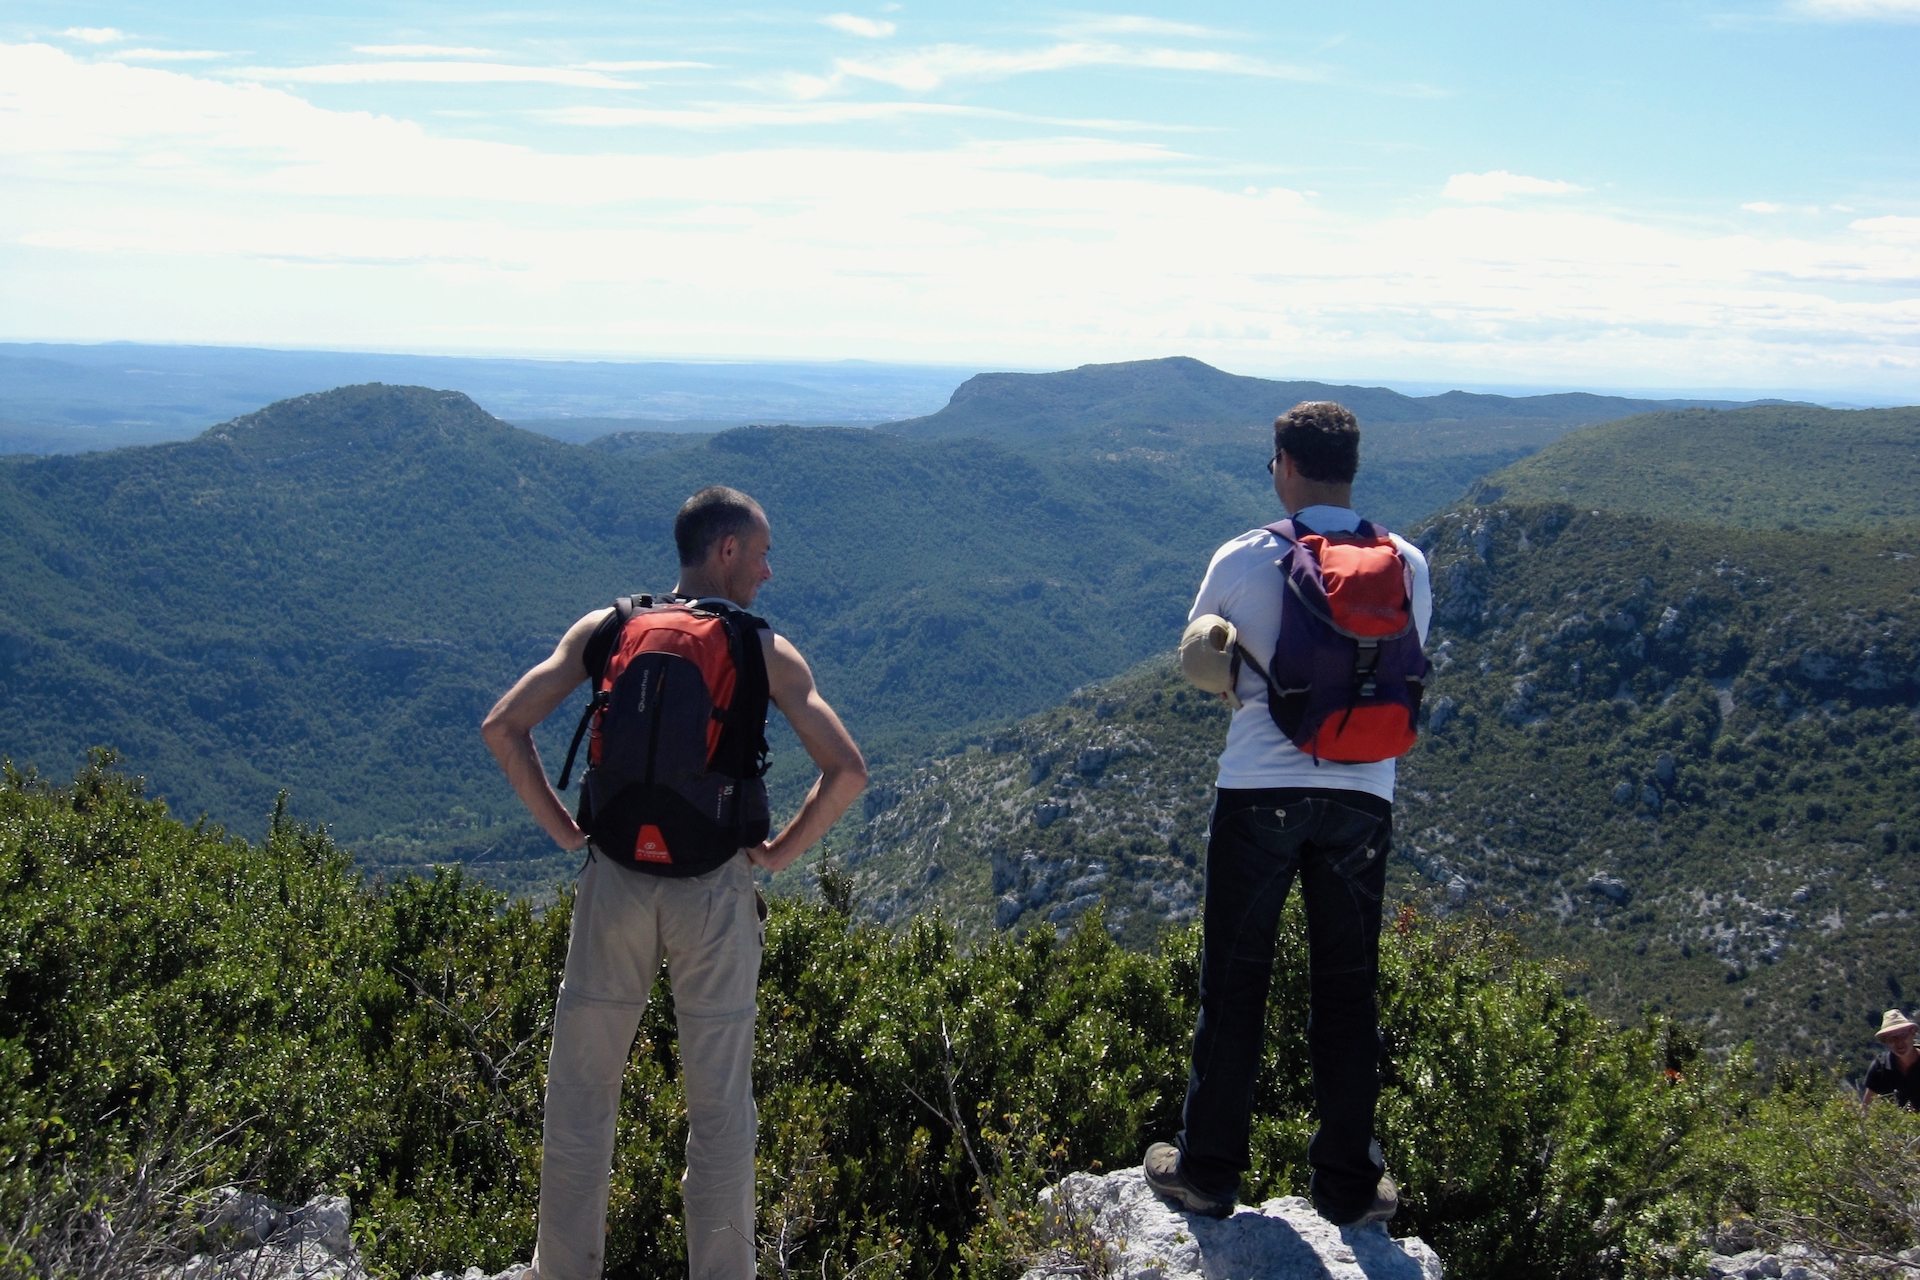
[(854, 25), (149, 203), (421, 51), (1135, 25), (168, 55), (1891, 228), (1497, 185), (432, 73), (731, 115), (923, 70), (640, 66), (1761, 206), (95, 35), (1858, 10)]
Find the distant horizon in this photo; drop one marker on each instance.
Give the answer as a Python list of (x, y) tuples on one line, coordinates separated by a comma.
[(1416, 387), (1477, 195)]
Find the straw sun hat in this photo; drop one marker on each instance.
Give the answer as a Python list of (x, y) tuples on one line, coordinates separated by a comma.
[(1894, 1023)]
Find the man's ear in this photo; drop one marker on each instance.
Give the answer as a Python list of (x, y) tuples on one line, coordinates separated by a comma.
[(728, 548)]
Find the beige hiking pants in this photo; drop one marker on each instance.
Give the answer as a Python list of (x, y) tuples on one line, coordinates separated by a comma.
[(709, 930)]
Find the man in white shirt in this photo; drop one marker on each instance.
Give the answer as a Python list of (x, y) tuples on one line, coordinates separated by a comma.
[(1280, 814)]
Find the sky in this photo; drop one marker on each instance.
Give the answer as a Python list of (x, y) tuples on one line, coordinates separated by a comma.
[(1714, 196)]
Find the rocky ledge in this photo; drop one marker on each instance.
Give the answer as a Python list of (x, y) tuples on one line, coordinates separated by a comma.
[(1145, 1238), (249, 1237)]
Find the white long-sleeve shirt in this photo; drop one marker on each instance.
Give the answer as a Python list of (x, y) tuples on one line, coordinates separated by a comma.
[(1244, 587)]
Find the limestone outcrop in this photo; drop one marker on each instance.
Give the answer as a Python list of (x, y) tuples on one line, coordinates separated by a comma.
[(249, 1237), (1145, 1238)]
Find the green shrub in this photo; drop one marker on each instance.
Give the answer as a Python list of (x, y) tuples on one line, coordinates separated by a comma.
[(186, 1008)]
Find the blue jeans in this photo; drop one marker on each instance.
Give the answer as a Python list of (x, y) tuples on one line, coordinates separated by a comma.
[(1336, 843)]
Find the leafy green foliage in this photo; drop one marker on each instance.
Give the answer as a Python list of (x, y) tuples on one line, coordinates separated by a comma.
[(914, 1095), (1771, 467), (1807, 1167), (256, 1004)]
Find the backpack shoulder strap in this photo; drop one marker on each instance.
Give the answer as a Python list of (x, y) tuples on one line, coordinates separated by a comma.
[(600, 648), (742, 749), (1368, 529), (607, 634)]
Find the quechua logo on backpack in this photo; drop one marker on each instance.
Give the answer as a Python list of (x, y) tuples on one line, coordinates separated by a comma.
[(678, 753), (1348, 671)]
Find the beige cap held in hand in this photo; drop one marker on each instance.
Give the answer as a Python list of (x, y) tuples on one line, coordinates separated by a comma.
[(1206, 655)]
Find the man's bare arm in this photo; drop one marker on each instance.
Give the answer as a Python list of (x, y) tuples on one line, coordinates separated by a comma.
[(843, 771), (508, 729)]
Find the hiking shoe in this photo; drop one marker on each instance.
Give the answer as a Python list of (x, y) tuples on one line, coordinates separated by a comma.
[(1386, 1203), (1169, 1181)]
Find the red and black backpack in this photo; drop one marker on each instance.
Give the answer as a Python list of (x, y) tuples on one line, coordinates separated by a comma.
[(1348, 670), (675, 780)]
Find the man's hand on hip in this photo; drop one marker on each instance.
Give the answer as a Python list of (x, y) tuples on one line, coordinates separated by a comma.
[(843, 771), (508, 729)]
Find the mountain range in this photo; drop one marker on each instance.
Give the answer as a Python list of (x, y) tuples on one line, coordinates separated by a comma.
[(1419, 452), (1671, 738), (326, 595)]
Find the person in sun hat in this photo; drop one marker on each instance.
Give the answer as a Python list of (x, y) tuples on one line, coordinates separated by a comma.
[(1895, 1073)]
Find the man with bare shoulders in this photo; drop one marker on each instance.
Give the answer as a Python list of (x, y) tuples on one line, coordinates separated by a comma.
[(707, 924)]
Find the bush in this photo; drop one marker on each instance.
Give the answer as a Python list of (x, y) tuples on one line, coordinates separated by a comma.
[(180, 1009)]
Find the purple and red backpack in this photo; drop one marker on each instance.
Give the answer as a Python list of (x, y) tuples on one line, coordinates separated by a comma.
[(1348, 671)]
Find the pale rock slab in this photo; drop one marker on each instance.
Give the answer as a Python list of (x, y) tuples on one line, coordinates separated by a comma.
[(269, 1242), (1283, 1239)]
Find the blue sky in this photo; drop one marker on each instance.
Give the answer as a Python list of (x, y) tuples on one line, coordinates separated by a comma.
[(1631, 195)]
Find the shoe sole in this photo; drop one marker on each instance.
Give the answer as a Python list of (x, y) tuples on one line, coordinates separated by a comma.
[(1183, 1200)]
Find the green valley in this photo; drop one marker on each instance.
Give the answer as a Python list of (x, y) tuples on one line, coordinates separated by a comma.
[(1681, 756), (326, 596)]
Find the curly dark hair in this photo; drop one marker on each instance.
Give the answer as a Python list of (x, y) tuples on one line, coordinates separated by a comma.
[(1322, 438)]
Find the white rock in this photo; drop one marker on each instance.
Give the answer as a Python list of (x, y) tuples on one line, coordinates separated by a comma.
[(1284, 1239), (323, 1220), (270, 1262), (249, 1217), (312, 1242)]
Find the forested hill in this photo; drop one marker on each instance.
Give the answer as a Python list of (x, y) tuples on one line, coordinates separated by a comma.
[(1418, 454), (1686, 757), (1182, 391), (1775, 467), (325, 596)]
